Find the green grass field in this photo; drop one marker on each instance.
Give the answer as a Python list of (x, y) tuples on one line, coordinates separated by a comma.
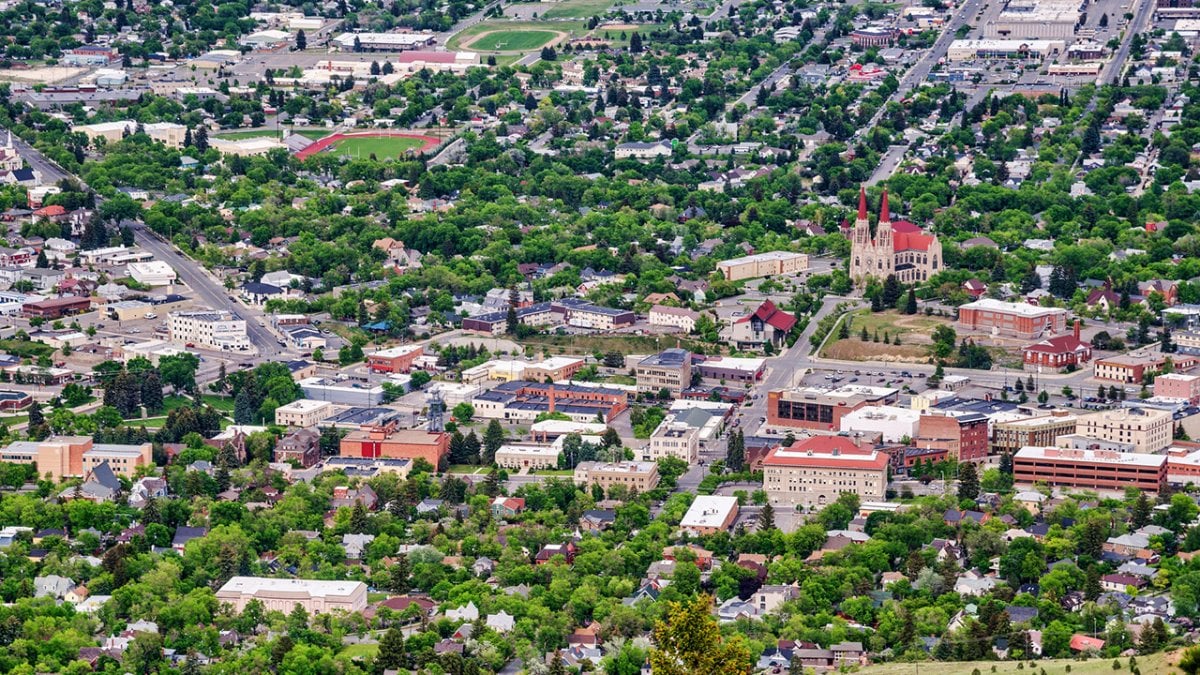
[(513, 40), (13, 420), (359, 651), (1158, 664), (384, 147), (578, 9)]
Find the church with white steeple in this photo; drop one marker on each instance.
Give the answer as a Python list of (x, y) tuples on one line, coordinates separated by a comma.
[(899, 247)]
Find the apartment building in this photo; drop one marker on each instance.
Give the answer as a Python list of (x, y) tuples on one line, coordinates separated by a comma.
[(773, 263), (523, 401), (673, 317), (213, 329), (813, 472), (1131, 368), (640, 476), (282, 595), (518, 456), (1177, 385), (674, 439), (1009, 437), (1146, 429), (670, 369), (1089, 469), (303, 413), (67, 456)]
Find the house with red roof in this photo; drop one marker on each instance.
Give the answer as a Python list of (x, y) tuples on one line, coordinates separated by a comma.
[(1060, 353), (1086, 643), (974, 288), (765, 325)]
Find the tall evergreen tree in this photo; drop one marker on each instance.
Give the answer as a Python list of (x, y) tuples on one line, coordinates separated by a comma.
[(392, 654), (968, 481)]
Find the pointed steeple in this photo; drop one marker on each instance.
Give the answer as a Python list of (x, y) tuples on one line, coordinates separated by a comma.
[(862, 203), (884, 215)]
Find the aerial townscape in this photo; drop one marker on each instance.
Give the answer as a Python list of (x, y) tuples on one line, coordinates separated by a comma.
[(626, 337)]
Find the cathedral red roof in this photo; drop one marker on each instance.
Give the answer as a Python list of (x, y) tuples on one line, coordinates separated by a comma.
[(912, 241)]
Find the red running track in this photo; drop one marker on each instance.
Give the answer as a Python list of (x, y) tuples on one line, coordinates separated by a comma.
[(325, 143)]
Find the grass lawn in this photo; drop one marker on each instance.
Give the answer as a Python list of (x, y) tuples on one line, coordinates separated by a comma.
[(12, 420), (314, 134), (247, 133), (376, 597), (554, 472), (384, 147), (503, 26), (151, 423), (466, 468), (513, 40), (359, 650), (578, 9), (507, 59), (1160, 664), (913, 330), (621, 379), (222, 403)]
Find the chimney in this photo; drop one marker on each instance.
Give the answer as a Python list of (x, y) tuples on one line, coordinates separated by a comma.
[(884, 215), (1076, 329), (862, 203)]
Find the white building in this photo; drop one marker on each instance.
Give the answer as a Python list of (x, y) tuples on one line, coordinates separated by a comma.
[(710, 514), (385, 42), (519, 456), (317, 597), (211, 329), (303, 413), (674, 439), (673, 317), (892, 423), (153, 273)]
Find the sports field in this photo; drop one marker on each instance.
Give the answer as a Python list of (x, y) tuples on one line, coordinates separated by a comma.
[(383, 144), (513, 40), (386, 147), (578, 9)]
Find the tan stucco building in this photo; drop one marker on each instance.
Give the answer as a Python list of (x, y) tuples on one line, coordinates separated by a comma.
[(316, 597), (1146, 429)]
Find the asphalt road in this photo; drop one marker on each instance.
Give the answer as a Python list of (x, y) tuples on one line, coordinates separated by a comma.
[(1113, 68), (189, 272)]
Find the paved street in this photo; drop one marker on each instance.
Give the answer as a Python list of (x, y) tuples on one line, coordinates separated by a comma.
[(190, 273), (1113, 68)]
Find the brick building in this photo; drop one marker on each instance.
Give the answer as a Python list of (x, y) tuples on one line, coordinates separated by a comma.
[(1011, 319), (1011, 436), (394, 359), (65, 456), (1176, 385), (1058, 353), (822, 409), (1132, 368), (1146, 429), (302, 446), (640, 476), (388, 441), (1089, 469), (813, 472), (964, 435)]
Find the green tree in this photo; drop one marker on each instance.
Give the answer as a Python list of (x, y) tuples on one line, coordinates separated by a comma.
[(392, 654), (968, 481), (689, 642), (493, 438)]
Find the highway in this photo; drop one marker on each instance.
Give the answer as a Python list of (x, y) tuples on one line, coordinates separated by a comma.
[(206, 289)]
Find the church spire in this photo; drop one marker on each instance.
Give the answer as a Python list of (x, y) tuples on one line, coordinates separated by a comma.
[(884, 215), (862, 203)]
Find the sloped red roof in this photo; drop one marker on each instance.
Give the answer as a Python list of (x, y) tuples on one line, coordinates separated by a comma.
[(1063, 344), (52, 210), (771, 315)]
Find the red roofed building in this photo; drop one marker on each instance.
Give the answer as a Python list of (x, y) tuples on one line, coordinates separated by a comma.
[(1058, 353), (900, 248), (1086, 643), (52, 211), (813, 472), (767, 324)]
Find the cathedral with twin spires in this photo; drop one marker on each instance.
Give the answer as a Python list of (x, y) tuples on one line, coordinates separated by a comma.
[(899, 247)]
